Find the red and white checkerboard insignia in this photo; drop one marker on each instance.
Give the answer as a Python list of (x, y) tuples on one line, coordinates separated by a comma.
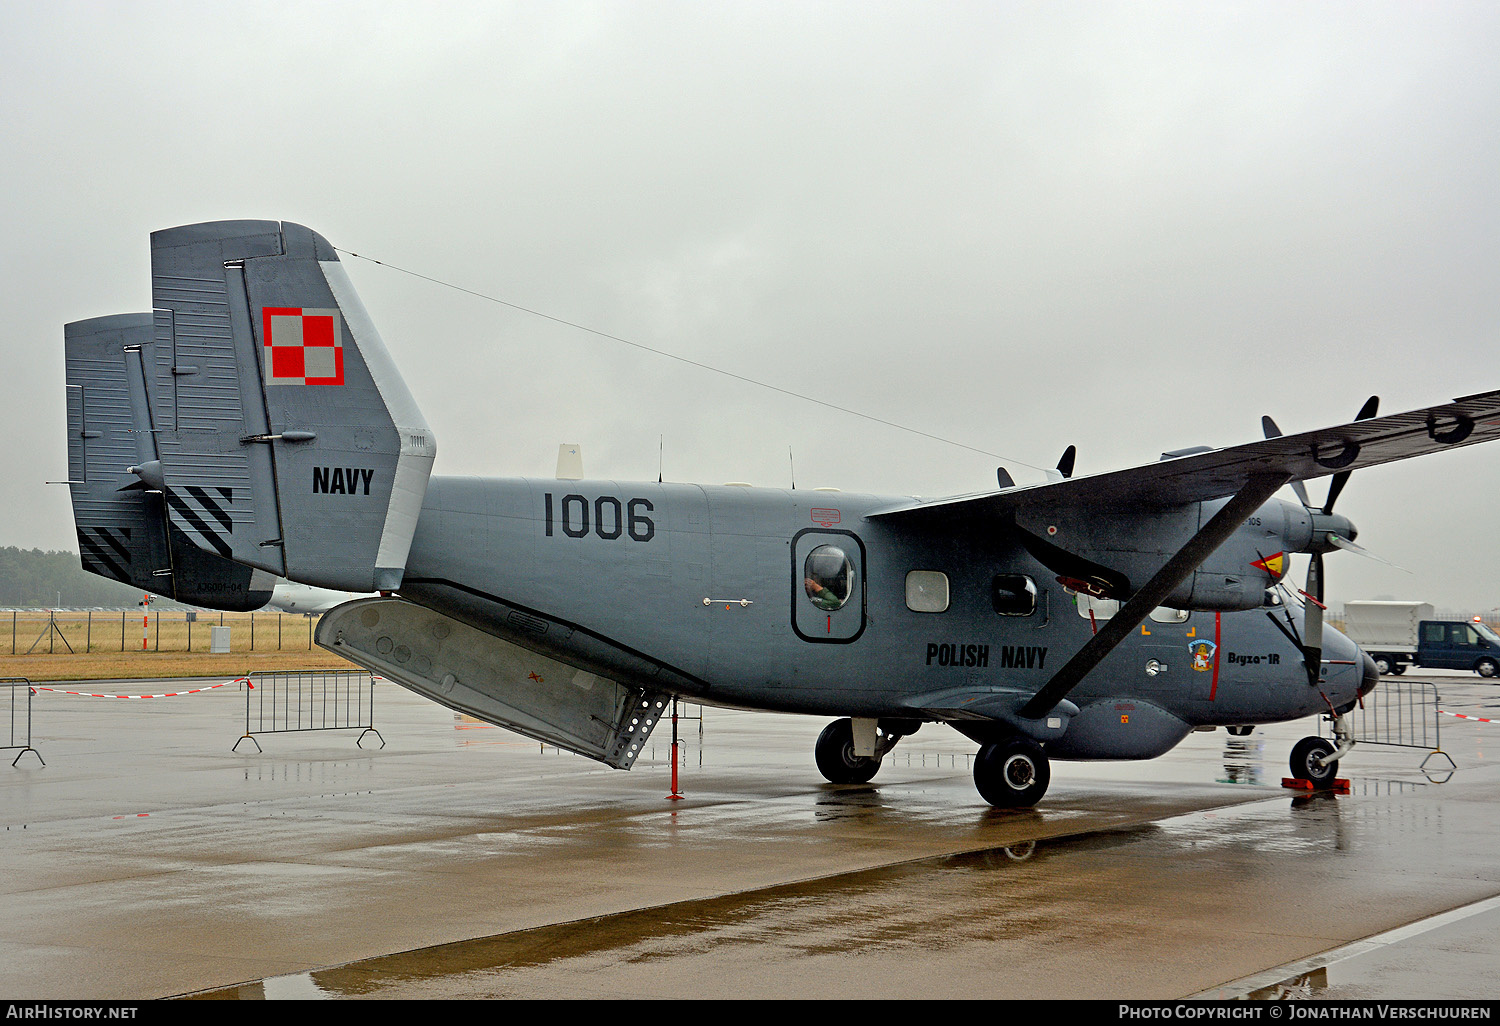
[(303, 347)]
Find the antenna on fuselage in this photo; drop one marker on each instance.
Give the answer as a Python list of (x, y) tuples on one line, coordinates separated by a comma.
[(790, 463)]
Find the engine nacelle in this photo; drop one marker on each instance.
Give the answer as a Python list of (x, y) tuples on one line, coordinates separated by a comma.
[(1110, 554)]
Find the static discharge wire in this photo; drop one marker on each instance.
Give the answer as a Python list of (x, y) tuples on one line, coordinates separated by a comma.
[(690, 362)]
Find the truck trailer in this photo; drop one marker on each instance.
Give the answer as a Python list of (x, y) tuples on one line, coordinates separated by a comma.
[(1401, 634)]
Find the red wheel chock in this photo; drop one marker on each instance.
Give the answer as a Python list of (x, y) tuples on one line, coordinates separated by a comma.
[(1340, 785)]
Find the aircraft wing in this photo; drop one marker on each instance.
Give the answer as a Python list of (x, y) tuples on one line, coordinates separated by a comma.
[(1219, 472)]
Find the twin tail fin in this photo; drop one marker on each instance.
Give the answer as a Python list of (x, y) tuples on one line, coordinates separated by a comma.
[(283, 438)]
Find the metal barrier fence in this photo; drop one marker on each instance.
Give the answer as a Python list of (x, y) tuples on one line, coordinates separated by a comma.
[(1401, 713), (284, 701), (17, 711)]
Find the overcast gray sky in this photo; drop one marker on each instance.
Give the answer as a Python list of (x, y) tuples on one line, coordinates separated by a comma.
[(1127, 226)]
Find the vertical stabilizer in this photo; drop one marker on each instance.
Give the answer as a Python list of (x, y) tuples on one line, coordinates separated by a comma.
[(287, 440)]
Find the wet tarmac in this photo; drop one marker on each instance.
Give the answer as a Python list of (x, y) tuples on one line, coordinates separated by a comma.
[(148, 859)]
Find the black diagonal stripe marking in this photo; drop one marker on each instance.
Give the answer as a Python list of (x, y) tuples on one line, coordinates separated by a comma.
[(119, 546), (228, 494), (196, 523), (212, 507), (92, 550)]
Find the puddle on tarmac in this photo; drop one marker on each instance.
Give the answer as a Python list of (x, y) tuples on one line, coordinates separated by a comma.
[(982, 896)]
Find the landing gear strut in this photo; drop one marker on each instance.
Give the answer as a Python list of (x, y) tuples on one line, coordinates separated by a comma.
[(835, 749), (1013, 773)]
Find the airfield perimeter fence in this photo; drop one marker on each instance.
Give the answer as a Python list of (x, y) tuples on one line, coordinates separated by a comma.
[(59, 632), (285, 701), (17, 714)]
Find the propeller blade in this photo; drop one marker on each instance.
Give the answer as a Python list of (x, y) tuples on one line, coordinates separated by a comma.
[(1301, 490), (1312, 620), (1360, 550), (1272, 431), (1340, 479), (1065, 465)]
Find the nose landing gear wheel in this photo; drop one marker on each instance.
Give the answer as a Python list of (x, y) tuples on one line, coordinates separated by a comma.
[(834, 753), (1013, 773), (1304, 762)]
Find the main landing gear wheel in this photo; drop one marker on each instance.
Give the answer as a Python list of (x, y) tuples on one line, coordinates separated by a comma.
[(1305, 758), (835, 756), (1013, 773)]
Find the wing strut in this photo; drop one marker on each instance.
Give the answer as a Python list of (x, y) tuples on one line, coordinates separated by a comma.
[(1213, 534)]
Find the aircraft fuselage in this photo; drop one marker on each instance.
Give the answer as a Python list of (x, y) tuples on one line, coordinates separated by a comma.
[(703, 591)]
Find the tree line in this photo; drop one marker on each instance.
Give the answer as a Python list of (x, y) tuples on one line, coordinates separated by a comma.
[(33, 579)]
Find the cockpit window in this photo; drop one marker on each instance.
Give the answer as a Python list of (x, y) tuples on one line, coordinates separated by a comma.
[(828, 577)]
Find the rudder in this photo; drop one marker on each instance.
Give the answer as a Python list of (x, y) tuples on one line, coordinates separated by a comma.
[(287, 439)]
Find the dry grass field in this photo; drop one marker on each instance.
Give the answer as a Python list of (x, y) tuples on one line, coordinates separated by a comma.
[(107, 646)]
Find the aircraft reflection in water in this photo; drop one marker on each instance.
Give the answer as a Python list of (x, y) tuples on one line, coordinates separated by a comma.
[(253, 424)]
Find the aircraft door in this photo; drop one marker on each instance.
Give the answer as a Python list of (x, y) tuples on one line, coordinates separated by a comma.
[(828, 586), (1178, 654)]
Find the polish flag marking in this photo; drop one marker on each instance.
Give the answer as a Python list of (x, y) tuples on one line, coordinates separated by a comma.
[(303, 346)]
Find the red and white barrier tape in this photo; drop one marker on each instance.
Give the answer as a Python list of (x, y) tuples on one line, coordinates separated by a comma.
[(169, 694), (1462, 716)]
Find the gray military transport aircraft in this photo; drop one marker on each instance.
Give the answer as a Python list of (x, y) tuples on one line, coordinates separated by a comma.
[(253, 425)]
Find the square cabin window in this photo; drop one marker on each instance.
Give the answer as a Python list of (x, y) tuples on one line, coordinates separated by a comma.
[(1013, 594), (927, 591), (1096, 608)]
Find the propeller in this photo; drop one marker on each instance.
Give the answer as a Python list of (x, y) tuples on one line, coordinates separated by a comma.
[(1064, 466), (1328, 534)]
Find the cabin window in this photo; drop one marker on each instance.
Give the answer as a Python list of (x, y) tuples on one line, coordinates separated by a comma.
[(1096, 609), (927, 591), (1013, 595), (828, 577), (1166, 614)]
